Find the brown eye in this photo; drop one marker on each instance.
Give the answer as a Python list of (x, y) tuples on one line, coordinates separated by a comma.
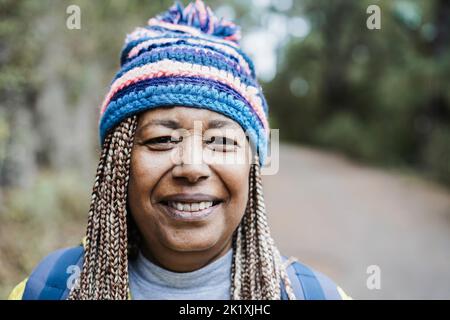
[(221, 143), (163, 142), (164, 139)]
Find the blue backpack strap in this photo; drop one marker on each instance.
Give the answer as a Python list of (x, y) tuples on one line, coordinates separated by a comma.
[(308, 284), (295, 283), (312, 290), (48, 281), (329, 287)]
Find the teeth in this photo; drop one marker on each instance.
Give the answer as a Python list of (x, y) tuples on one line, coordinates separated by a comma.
[(194, 206)]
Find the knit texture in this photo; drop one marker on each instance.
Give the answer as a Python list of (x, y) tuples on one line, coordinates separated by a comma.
[(187, 56)]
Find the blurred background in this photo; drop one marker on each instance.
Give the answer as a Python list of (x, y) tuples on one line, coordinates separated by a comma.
[(364, 117)]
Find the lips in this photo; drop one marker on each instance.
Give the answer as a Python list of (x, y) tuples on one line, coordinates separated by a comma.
[(185, 206)]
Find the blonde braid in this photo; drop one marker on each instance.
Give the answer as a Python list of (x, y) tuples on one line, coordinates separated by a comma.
[(105, 267), (257, 267)]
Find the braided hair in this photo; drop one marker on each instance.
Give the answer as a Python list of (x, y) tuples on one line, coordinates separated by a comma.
[(112, 237)]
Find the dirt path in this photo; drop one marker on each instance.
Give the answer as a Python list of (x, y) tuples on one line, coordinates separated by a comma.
[(340, 218)]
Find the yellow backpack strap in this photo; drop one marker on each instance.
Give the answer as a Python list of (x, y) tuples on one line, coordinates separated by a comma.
[(343, 295), (17, 292)]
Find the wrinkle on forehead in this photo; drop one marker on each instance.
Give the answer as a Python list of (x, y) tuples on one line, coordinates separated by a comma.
[(178, 117)]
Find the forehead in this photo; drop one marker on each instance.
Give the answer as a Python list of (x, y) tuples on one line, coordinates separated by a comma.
[(185, 117)]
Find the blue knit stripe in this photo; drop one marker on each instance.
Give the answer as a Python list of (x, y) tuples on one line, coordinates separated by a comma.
[(175, 35), (264, 102), (188, 53), (207, 90), (172, 91), (129, 46), (205, 97), (174, 80), (180, 42)]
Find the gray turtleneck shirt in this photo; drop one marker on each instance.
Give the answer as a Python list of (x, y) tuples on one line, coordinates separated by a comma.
[(151, 282)]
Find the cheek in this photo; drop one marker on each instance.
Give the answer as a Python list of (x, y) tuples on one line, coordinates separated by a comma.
[(145, 172), (235, 179)]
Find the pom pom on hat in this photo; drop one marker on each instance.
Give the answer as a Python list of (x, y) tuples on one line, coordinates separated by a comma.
[(198, 15)]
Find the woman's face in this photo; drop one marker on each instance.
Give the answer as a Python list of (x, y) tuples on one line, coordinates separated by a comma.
[(188, 184)]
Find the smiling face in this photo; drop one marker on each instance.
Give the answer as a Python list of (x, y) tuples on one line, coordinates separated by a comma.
[(185, 198)]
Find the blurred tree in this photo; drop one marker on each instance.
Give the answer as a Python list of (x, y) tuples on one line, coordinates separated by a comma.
[(378, 95), (52, 80)]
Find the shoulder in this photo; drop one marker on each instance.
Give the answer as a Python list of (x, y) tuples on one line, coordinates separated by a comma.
[(310, 284), (48, 280)]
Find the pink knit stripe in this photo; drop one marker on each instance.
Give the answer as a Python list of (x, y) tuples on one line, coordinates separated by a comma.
[(202, 50), (187, 12), (167, 67), (143, 45), (202, 13), (140, 33)]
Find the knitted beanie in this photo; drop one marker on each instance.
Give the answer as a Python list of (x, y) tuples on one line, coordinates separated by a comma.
[(188, 57)]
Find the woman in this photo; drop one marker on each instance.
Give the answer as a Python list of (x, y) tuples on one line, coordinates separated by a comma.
[(177, 208)]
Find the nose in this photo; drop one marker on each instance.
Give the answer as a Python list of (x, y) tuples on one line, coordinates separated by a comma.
[(190, 165)]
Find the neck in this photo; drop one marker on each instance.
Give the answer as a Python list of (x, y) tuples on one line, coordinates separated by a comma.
[(184, 261)]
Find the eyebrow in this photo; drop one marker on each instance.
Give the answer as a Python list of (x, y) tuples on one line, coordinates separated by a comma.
[(171, 124), (215, 124)]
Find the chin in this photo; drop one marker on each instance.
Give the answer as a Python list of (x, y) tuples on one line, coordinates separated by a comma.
[(190, 242)]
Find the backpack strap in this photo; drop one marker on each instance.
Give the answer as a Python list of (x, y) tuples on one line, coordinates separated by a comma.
[(312, 289), (304, 282), (48, 281), (308, 284)]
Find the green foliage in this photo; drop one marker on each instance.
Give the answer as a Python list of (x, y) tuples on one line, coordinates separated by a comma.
[(437, 154), (34, 221), (345, 133), (59, 195), (377, 95)]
